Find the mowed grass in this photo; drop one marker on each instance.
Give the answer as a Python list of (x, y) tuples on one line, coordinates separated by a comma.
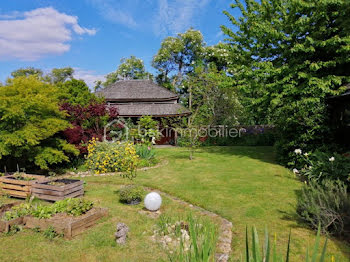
[(97, 243), (242, 184)]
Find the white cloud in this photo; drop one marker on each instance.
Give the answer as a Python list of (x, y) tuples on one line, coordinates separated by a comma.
[(37, 33), (89, 76), (114, 13), (177, 15), (166, 16)]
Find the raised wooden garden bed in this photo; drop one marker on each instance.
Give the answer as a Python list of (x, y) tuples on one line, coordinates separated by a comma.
[(68, 225), (21, 188), (58, 189), (5, 226)]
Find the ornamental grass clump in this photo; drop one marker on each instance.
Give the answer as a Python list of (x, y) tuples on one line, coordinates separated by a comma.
[(198, 239), (104, 157), (267, 253)]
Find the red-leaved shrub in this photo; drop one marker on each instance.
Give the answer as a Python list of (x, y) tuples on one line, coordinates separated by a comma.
[(87, 122)]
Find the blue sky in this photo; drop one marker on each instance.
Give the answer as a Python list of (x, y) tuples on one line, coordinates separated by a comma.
[(93, 35)]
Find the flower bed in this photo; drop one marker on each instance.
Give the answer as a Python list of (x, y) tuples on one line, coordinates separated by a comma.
[(58, 189), (68, 217), (67, 225), (5, 226), (19, 185)]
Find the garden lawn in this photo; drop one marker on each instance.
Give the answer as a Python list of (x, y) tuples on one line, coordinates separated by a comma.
[(97, 243), (242, 184)]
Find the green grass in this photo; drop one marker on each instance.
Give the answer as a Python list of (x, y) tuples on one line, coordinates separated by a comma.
[(244, 185), (96, 244)]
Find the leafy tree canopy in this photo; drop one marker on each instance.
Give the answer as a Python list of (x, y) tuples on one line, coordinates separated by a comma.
[(213, 99), (27, 72), (60, 75), (289, 57), (178, 55), (130, 68), (75, 92), (30, 121)]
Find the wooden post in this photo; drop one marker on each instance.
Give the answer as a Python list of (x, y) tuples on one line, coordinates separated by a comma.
[(175, 137)]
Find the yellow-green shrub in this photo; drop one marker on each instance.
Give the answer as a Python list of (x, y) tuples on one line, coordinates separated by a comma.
[(104, 157)]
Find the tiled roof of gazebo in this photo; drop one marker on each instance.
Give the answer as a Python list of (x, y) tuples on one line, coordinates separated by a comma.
[(136, 90), (151, 109)]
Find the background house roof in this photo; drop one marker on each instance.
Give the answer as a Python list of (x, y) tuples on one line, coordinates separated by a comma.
[(156, 110), (136, 90)]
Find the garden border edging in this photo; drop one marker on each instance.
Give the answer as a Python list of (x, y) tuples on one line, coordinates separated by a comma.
[(225, 230)]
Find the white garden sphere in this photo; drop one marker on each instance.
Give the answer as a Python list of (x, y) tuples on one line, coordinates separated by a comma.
[(153, 201)]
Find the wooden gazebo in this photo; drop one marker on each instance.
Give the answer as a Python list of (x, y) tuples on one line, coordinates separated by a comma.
[(136, 98)]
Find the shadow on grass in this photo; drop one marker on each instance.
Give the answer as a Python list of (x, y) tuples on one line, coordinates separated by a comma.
[(261, 153), (342, 243)]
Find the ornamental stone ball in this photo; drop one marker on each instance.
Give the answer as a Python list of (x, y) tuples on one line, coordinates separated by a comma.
[(153, 201)]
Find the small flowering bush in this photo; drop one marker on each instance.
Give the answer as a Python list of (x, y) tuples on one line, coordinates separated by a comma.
[(319, 166), (104, 157)]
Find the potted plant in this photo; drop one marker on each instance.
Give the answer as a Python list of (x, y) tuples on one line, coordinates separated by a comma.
[(131, 194)]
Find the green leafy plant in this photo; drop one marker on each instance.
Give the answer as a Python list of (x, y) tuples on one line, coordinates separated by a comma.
[(29, 136), (325, 204), (145, 151), (163, 223), (147, 130), (167, 225), (42, 212), (202, 242), (321, 166), (130, 67), (189, 139), (269, 254), (73, 206), (106, 157), (14, 229), (131, 194), (50, 233), (23, 177), (70, 206), (17, 211), (282, 68)]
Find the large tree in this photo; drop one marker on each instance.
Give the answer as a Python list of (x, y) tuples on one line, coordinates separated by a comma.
[(129, 68), (212, 98), (75, 92), (28, 71), (30, 123), (60, 75), (178, 56), (290, 55)]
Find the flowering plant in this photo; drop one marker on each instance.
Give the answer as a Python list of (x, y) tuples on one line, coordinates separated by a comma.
[(104, 157), (320, 166)]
